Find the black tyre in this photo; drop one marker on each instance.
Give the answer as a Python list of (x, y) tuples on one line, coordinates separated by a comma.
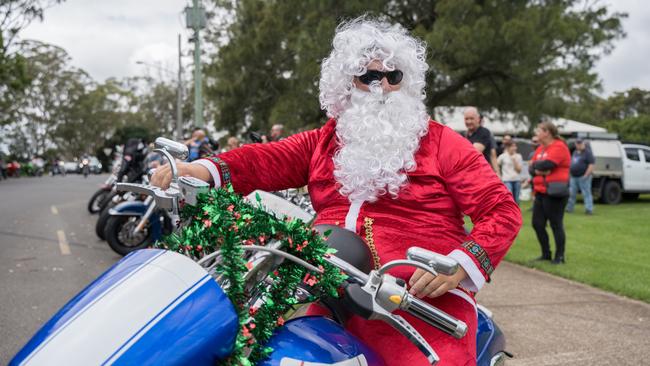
[(100, 226), (94, 205), (612, 193), (119, 234), (108, 200)]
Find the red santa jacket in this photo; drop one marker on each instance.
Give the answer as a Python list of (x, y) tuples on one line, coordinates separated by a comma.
[(451, 179)]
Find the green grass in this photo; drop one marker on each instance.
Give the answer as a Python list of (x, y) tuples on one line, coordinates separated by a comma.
[(609, 250)]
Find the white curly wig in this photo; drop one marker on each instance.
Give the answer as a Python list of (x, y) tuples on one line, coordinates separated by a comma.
[(378, 131), (357, 43)]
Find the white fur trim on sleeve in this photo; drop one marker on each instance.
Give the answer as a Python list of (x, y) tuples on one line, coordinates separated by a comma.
[(476, 280), (214, 172)]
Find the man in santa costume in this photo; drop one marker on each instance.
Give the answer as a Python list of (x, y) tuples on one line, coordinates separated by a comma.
[(382, 168)]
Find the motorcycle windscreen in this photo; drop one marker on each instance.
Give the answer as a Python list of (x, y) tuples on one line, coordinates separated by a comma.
[(318, 341), (152, 307)]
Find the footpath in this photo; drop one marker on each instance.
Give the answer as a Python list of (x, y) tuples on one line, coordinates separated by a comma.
[(552, 321)]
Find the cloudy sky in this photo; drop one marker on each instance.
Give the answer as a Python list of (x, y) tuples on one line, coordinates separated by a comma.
[(106, 38)]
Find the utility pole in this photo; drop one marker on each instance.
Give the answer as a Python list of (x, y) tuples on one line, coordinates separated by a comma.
[(195, 19), (179, 100)]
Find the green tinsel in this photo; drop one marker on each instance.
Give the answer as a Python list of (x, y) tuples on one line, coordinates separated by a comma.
[(223, 220)]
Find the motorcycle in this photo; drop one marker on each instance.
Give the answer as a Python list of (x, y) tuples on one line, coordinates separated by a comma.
[(134, 225), (114, 199), (107, 195), (98, 198), (179, 312), (57, 168), (84, 166)]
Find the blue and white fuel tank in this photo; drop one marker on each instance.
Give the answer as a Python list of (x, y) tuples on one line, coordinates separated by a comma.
[(152, 307)]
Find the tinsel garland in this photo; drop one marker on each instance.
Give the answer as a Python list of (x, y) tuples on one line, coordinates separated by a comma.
[(223, 220)]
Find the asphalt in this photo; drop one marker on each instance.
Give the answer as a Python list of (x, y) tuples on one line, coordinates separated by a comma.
[(548, 320), (36, 277)]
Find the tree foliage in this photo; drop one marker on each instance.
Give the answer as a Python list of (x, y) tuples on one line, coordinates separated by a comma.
[(626, 113), (15, 15), (65, 109), (530, 57)]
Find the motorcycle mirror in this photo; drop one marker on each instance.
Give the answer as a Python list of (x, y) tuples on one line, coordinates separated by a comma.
[(176, 149), (440, 263)]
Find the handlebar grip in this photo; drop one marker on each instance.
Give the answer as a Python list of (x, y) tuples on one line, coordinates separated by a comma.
[(435, 317)]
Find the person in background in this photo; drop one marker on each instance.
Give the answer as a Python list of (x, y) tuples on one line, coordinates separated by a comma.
[(479, 136), (511, 164), (133, 157), (3, 168), (550, 170), (582, 165), (232, 144), (504, 141), (199, 145), (153, 159), (276, 134)]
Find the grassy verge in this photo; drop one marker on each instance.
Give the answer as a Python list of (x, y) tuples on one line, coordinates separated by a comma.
[(609, 250)]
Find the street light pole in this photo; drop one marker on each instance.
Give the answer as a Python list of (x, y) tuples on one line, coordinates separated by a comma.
[(179, 101), (196, 20)]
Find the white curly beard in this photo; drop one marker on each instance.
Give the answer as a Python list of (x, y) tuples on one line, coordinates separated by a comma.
[(379, 136)]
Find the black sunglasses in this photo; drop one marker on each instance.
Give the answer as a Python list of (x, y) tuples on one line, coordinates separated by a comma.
[(394, 77)]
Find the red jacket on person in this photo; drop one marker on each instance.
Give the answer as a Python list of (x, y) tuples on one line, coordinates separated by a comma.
[(451, 179), (558, 153)]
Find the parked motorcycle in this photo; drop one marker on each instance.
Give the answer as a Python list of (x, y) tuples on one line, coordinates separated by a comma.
[(178, 312), (114, 200), (97, 200), (134, 225)]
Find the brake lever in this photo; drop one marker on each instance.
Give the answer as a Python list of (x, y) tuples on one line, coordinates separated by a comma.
[(402, 326), (387, 294), (164, 198)]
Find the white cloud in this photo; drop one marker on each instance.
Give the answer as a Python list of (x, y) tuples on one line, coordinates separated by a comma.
[(628, 65), (106, 38)]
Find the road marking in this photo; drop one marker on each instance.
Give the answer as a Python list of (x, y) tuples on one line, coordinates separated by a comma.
[(63, 243), (54, 210)]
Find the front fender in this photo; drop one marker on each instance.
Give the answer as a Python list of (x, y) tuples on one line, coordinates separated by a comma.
[(128, 208), (138, 208)]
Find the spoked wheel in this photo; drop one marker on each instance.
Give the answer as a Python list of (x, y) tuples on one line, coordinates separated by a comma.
[(121, 237), (94, 205)]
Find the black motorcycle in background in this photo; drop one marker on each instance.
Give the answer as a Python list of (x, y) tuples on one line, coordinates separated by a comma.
[(131, 169)]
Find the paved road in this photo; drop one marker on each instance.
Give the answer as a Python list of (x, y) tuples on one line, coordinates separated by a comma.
[(547, 320), (552, 321), (36, 278)]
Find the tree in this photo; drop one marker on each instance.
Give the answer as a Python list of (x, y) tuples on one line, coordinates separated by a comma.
[(531, 57), (626, 113), (44, 104), (15, 15), (92, 118), (632, 129)]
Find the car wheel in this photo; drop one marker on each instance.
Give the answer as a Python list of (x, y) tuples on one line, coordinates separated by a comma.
[(612, 193)]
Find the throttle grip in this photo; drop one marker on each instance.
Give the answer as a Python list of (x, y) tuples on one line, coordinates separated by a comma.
[(434, 317)]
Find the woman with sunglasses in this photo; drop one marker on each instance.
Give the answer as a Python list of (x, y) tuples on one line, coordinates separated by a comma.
[(380, 167)]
